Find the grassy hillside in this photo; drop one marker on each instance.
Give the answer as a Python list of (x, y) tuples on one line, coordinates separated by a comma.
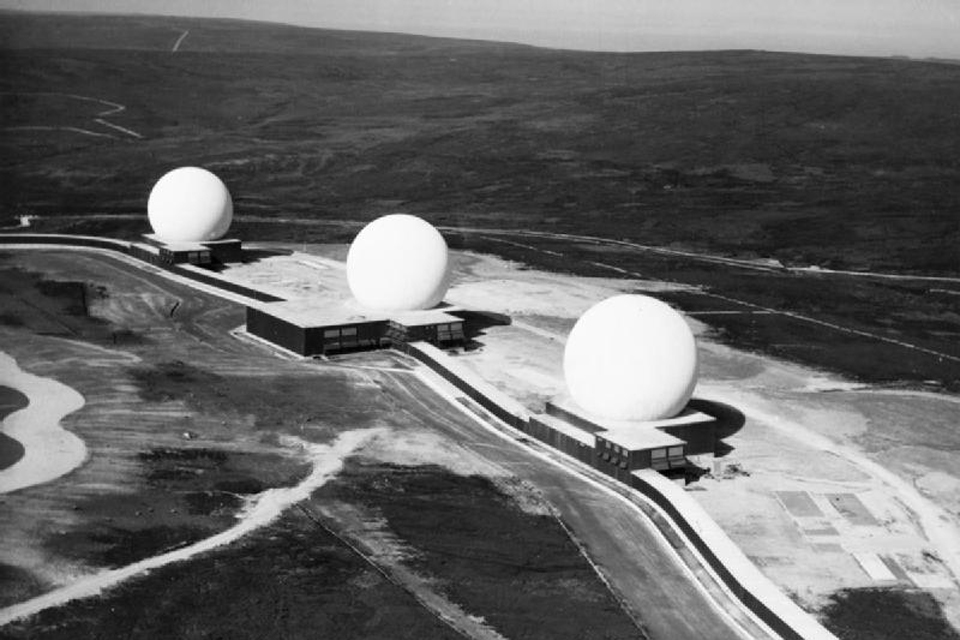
[(841, 162)]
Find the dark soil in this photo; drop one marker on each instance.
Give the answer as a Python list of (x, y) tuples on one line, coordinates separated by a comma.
[(187, 495), (290, 580), (886, 614), (484, 551), (49, 307), (276, 402)]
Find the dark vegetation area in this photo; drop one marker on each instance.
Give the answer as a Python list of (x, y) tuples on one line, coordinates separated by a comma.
[(56, 308), (833, 161), (276, 403), (875, 314), (289, 580), (483, 551), (836, 161), (293, 578), (846, 163), (187, 494), (886, 614)]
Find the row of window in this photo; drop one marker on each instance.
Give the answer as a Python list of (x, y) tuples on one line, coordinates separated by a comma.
[(445, 332), (346, 332), (669, 452)]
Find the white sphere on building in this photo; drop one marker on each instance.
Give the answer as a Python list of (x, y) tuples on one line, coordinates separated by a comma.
[(189, 204), (631, 357), (398, 262)]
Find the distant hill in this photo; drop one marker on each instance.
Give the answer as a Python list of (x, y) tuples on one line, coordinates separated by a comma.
[(836, 161)]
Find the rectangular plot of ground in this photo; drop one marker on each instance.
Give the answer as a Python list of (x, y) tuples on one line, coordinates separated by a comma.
[(874, 567), (895, 568), (825, 530), (828, 547), (799, 504), (850, 507)]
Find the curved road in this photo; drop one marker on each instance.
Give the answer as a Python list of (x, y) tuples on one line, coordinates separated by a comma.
[(654, 586), (644, 571)]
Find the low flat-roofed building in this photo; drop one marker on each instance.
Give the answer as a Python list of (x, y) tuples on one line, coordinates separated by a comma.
[(319, 326), (625, 445), (201, 253), (638, 447), (435, 326)]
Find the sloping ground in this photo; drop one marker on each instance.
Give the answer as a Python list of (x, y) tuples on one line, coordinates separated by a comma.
[(845, 162), (186, 427)]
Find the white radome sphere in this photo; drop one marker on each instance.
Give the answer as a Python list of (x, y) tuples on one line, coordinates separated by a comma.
[(189, 204), (398, 262), (631, 357)]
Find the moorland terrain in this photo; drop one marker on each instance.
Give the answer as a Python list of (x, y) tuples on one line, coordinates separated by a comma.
[(771, 159), (728, 172)]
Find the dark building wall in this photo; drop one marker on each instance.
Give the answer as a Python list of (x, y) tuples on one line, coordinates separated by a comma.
[(225, 251), (346, 337), (742, 593), (699, 438), (640, 459), (559, 440), (558, 412), (613, 460), (143, 255), (279, 332)]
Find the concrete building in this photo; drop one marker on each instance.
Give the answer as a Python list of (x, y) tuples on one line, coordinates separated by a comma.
[(319, 327), (205, 252), (619, 447)]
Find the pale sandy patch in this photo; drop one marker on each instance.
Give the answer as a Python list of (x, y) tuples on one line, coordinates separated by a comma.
[(50, 451), (260, 511)]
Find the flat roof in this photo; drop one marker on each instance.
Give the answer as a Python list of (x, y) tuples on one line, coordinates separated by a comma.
[(685, 417), (566, 428), (640, 437), (181, 245), (319, 312), (174, 246), (425, 317), (323, 311)]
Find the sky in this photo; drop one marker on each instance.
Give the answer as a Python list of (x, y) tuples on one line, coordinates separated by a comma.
[(916, 28)]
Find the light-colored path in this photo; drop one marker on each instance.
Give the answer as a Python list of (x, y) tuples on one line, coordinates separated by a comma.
[(183, 36), (49, 450), (264, 509), (85, 132), (111, 109)]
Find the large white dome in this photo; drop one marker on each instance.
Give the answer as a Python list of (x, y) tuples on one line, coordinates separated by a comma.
[(398, 262), (189, 204), (631, 357)]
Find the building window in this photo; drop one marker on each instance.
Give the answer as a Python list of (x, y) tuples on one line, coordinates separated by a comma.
[(349, 331), (675, 452), (331, 333), (658, 453)]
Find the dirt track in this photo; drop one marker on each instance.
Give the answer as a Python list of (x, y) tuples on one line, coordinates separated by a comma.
[(184, 423)]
